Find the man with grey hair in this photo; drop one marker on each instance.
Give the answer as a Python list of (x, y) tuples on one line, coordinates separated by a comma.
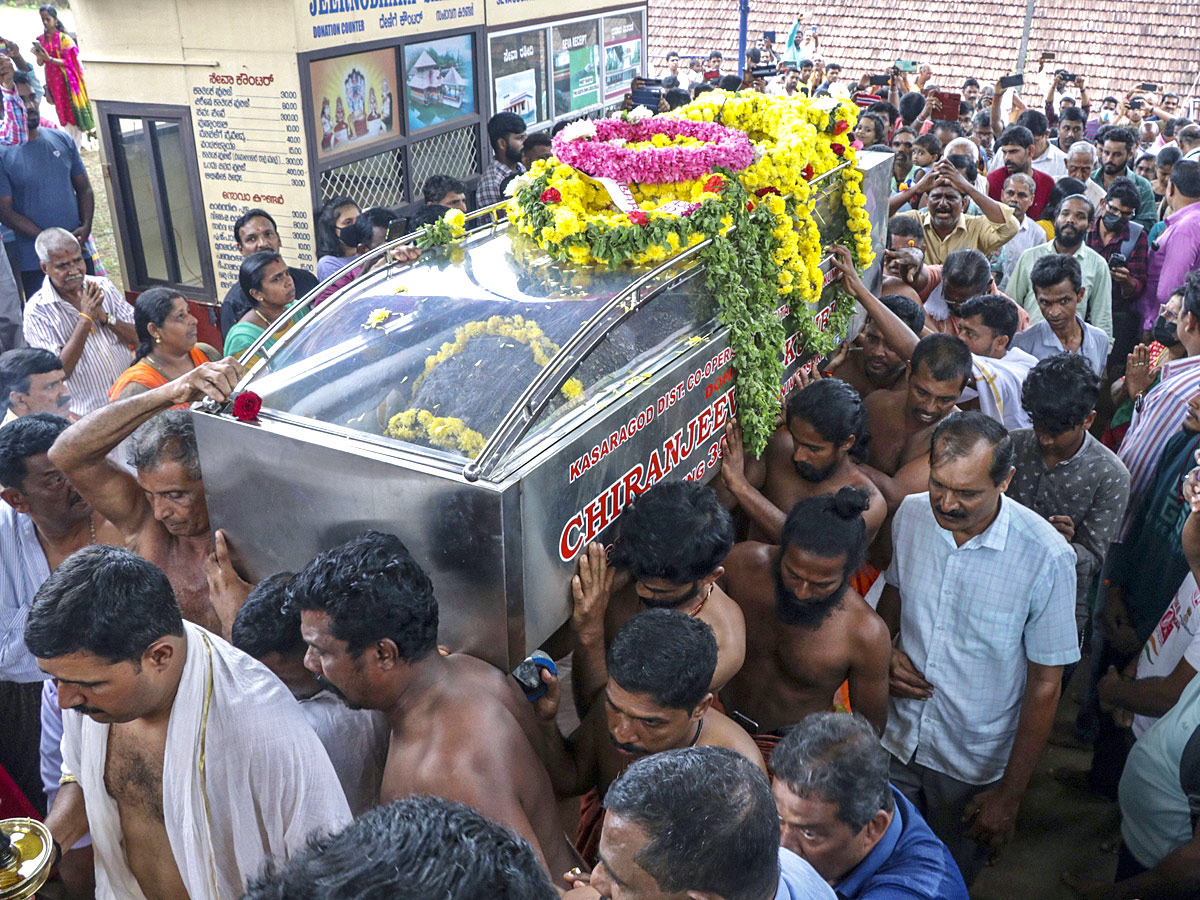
[(83, 320), (1019, 189), (1082, 161), (162, 513), (838, 811)]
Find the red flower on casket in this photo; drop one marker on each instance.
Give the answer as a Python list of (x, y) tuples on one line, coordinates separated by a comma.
[(714, 184), (246, 406), (839, 149), (637, 217), (841, 127), (550, 195), (807, 173)]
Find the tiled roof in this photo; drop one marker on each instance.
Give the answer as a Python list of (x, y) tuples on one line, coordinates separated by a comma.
[(1116, 44)]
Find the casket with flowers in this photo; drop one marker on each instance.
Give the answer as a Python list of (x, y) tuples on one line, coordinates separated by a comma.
[(734, 167)]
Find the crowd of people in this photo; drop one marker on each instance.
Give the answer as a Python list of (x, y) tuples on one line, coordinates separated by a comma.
[(831, 672)]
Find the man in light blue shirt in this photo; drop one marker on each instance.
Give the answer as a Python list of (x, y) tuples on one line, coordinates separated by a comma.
[(697, 820), (42, 521), (981, 596), (1058, 286)]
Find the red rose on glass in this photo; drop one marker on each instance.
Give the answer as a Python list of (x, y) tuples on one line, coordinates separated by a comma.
[(807, 173), (839, 149), (550, 195), (841, 127), (637, 217), (246, 406), (714, 184)]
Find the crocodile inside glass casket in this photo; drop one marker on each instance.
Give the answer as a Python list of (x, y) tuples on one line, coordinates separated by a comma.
[(437, 353)]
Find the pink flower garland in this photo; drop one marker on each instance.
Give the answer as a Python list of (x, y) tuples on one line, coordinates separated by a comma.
[(724, 146)]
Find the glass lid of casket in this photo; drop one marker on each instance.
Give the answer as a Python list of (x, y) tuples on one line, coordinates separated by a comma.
[(436, 353)]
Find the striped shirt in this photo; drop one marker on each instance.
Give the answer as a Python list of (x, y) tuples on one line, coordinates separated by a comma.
[(23, 572), (14, 127), (49, 323), (1159, 417), (970, 619)]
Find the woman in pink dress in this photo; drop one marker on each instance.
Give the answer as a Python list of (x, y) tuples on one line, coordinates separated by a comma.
[(59, 56)]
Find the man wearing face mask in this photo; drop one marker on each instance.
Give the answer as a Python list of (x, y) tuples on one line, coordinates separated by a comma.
[(1122, 244), (981, 598), (807, 630)]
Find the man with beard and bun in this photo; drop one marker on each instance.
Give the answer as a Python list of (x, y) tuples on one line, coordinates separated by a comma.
[(1075, 217), (673, 540), (1015, 147), (869, 363), (817, 452), (355, 739), (657, 698), (370, 619), (807, 631), (980, 597)]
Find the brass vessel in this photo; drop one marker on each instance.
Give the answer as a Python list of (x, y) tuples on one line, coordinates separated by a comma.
[(25, 854)]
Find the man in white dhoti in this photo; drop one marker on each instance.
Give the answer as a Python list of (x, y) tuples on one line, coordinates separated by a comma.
[(189, 761)]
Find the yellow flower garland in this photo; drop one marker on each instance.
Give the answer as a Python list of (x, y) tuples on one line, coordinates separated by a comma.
[(451, 433), (447, 433), (793, 145)]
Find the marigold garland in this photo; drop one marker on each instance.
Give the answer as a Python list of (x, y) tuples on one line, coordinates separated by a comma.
[(445, 432), (768, 244), (451, 433)]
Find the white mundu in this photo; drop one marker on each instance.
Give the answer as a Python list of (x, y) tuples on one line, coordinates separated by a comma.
[(244, 777)]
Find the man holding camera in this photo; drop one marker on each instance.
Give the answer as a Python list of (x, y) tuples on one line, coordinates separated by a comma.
[(1123, 245)]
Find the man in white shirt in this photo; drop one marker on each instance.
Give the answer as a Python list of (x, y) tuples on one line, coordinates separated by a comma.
[(355, 739), (1082, 160), (987, 323), (82, 319), (1154, 680), (42, 521), (1018, 193)]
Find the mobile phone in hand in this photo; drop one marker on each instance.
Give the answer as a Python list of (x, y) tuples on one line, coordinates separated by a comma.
[(1009, 81), (880, 79)]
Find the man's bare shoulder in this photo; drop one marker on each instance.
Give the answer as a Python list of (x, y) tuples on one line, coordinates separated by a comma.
[(748, 560), (722, 612), (722, 731), (862, 623)]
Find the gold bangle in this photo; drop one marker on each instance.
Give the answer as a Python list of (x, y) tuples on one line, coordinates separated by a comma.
[(68, 779)]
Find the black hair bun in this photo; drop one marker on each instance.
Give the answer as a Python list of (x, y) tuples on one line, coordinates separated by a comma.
[(850, 502)]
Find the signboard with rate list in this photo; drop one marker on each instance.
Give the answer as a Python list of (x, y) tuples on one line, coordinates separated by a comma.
[(252, 153)]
